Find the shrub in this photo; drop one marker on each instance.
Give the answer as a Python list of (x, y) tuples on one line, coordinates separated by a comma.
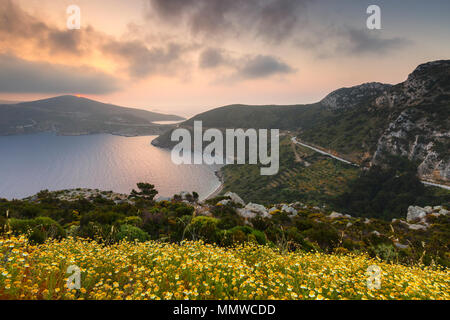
[(132, 221), (204, 228), (244, 233), (41, 227), (131, 233)]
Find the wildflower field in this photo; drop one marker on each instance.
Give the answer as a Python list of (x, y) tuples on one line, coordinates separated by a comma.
[(193, 270)]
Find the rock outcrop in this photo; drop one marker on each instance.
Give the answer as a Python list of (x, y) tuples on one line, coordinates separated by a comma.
[(351, 97), (416, 213), (419, 121)]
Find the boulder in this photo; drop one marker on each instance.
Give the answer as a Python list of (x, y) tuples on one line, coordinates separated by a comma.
[(292, 212), (223, 202), (235, 198), (428, 209), (441, 212), (417, 227), (414, 213), (335, 215), (251, 210)]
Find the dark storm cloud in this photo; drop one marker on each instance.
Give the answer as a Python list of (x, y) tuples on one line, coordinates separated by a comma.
[(273, 20), (20, 76)]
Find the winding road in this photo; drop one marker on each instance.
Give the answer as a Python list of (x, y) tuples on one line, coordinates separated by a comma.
[(294, 140)]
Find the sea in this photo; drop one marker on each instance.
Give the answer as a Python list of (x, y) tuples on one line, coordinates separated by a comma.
[(31, 163)]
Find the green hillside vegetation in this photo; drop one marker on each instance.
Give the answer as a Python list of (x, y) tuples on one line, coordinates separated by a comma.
[(386, 193), (304, 175), (310, 177), (311, 230)]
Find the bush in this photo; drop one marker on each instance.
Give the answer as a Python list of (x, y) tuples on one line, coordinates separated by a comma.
[(204, 228), (41, 227), (131, 233), (132, 221), (101, 217), (244, 233)]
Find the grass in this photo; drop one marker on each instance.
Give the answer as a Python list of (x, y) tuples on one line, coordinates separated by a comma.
[(193, 270)]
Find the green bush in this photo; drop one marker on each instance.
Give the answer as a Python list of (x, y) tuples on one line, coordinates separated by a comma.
[(42, 227), (132, 221), (244, 233), (204, 228), (131, 233)]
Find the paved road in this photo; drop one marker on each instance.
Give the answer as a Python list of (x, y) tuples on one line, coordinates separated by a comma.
[(294, 140)]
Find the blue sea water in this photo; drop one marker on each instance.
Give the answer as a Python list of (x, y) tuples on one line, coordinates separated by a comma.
[(30, 163)]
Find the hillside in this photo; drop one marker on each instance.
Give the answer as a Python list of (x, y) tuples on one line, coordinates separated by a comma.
[(70, 115), (304, 175), (363, 123)]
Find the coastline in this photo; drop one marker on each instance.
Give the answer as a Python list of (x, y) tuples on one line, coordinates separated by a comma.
[(219, 189)]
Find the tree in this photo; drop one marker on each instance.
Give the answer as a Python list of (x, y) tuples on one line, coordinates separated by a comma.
[(147, 191)]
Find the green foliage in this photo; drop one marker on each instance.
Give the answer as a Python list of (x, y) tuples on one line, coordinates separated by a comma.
[(131, 233), (388, 192), (147, 191), (39, 229), (303, 176), (133, 221), (204, 228)]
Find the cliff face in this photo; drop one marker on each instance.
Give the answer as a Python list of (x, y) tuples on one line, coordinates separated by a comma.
[(347, 98), (419, 121)]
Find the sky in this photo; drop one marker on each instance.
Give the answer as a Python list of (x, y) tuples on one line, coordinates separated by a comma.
[(188, 56)]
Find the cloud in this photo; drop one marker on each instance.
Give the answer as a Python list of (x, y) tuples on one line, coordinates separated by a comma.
[(261, 66), (272, 20), (18, 26), (243, 67), (333, 41), (143, 61), (135, 58), (364, 41), (212, 58), (21, 76)]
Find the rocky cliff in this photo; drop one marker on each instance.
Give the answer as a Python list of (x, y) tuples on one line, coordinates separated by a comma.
[(346, 98), (419, 120)]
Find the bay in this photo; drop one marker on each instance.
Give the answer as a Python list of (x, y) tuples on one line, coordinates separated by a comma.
[(30, 163)]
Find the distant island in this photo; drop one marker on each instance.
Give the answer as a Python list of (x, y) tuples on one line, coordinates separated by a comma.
[(72, 115)]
